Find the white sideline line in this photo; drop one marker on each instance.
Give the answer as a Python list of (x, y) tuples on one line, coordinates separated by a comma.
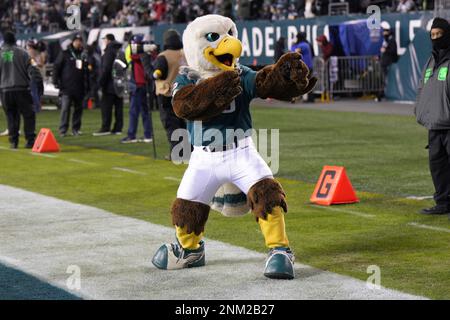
[(424, 226), (419, 198), (129, 171), (172, 179), (10, 261), (80, 161), (355, 213), (43, 155)]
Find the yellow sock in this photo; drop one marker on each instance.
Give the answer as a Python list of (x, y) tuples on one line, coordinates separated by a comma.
[(188, 240), (273, 229)]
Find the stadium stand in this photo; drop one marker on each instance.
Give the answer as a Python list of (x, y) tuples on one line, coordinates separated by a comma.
[(27, 16)]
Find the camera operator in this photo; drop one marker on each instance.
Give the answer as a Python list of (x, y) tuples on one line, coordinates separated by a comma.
[(138, 91)]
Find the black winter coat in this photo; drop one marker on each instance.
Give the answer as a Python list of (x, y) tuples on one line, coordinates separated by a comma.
[(433, 98), (105, 81), (390, 56), (70, 79)]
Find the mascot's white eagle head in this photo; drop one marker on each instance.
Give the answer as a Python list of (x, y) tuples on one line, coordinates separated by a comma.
[(210, 45)]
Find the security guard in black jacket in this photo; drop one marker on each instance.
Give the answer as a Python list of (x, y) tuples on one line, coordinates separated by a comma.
[(71, 76), (433, 112)]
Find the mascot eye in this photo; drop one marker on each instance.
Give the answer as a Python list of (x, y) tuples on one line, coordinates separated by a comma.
[(230, 32), (212, 36)]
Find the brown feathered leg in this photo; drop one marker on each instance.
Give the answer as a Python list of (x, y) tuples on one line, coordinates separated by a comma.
[(189, 218)]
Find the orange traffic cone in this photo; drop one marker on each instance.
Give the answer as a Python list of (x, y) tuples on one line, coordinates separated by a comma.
[(333, 187), (45, 142)]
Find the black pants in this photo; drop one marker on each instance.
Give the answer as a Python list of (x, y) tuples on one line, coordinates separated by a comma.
[(110, 102), (169, 119), (15, 104), (66, 102), (439, 151), (152, 100)]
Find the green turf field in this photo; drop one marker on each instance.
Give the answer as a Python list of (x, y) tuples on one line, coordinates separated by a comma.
[(384, 156)]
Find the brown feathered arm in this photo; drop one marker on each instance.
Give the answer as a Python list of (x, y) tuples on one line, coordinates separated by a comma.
[(287, 79), (207, 99)]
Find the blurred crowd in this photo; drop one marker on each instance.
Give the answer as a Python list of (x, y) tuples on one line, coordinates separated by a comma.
[(25, 16)]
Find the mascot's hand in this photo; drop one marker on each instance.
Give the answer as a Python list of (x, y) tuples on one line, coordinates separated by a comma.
[(294, 69), (287, 79), (227, 87)]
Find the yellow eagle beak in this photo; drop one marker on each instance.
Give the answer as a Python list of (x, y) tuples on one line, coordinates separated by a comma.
[(226, 53)]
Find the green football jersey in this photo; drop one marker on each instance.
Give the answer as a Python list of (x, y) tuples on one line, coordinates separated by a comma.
[(235, 121)]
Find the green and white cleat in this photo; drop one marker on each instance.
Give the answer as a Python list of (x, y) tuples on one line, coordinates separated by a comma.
[(280, 264), (172, 256)]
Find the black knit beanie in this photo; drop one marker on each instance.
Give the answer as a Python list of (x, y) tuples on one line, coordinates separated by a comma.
[(444, 41), (441, 23)]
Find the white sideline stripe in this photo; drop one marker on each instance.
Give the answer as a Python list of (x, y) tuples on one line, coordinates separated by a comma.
[(172, 179), (45, 155), (81, 161), (45, 235), (9, 261), (420, 198), (427, 227), (129, 171), (355, 213)]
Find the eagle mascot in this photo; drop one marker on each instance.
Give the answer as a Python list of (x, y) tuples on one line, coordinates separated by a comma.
[(213, 93)]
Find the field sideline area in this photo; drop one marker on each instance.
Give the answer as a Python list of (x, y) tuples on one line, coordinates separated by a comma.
[(384, 156)]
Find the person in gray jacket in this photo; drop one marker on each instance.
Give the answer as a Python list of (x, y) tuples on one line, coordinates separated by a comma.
[(17, 70), (433, 112)]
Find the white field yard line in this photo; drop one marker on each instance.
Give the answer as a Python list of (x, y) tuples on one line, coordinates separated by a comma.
[(8, 149), (45, 235), (129, 171), (172, 179), (81, 161), (427, 227), (419, 198), (355, 213), (371, 216), (48, 155), (45, 155)]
